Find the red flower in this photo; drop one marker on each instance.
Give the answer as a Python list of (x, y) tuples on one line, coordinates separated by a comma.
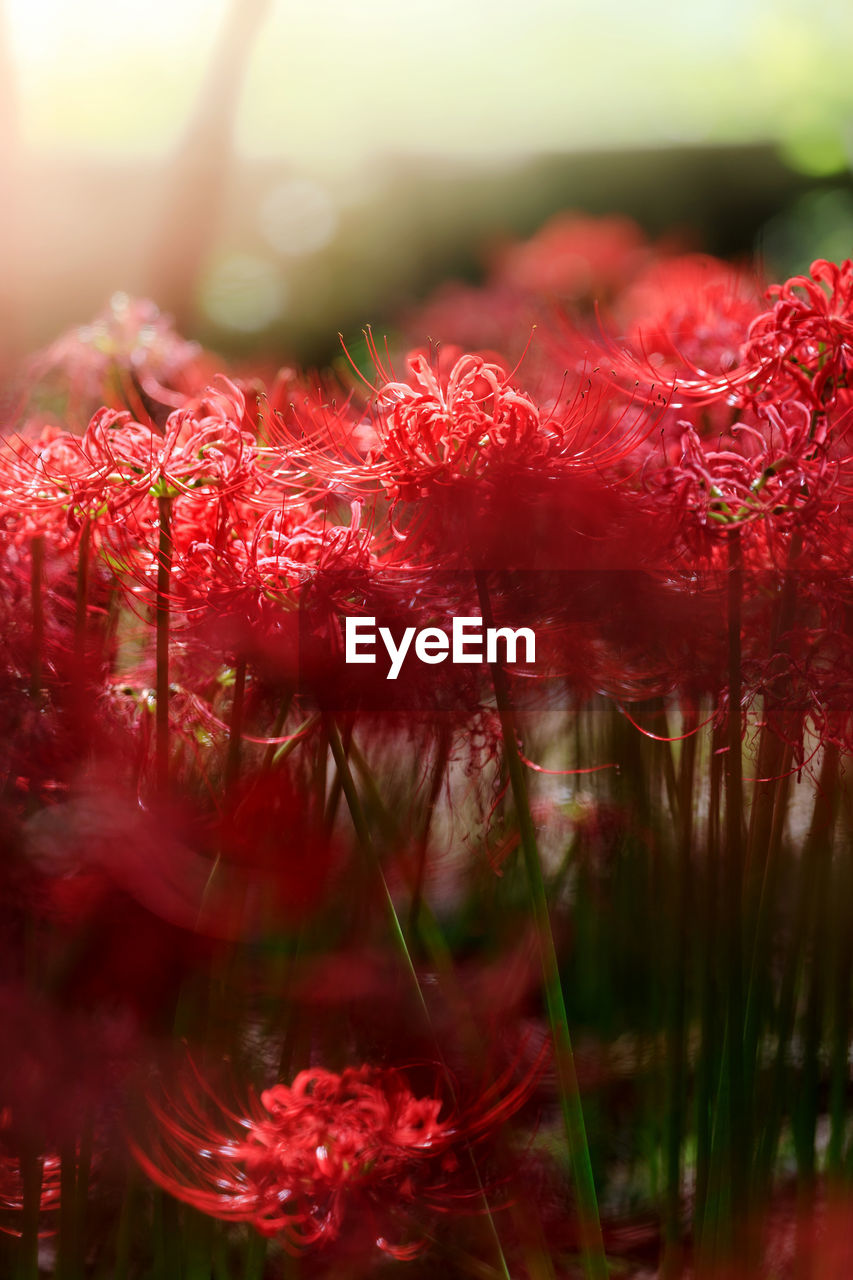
[(462, 421), (803, 346), (296, 1161), (130, 353), (777, 471), (576, 257), (689, 316)]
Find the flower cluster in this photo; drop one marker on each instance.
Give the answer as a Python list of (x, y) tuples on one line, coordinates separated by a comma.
[(218, 830)]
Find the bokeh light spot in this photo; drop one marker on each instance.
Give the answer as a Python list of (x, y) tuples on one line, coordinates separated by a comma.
[(243, 292), (298, 217)]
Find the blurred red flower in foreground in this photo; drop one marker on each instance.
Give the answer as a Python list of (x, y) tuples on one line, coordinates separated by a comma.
[(294, 1161)]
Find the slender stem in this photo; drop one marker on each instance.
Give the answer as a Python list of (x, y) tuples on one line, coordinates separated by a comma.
[(736, 1146), (439, 768), (362, 830), (759, 997), (592, 1244), (707, 1071), (819, 829), (170, 1234), (770, 768), (67, 1252), (676, 1049), (843, 962), (235, 728), (365, 839), (198, 1231), (330, 804), (163, 610), (820, 861), (256, 1252), (291, 1029), (272, 747), (124, 1231)]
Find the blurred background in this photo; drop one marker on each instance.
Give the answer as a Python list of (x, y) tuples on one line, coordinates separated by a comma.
[(274, 171)]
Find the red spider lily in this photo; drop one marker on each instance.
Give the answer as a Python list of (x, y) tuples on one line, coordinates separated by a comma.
[(115, 478), (573, 257), (304, 1162), (436, 429), (486, 320), (432, 432), (778, 471), (732, 351), (286, 554), (128, 356), (431, 429), (689, 316), (35, 480), (455, 441), (274, 599), (803, 345), (118, 467), (684, 323)]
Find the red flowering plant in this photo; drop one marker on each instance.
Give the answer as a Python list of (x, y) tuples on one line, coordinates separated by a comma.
[(687, 315), (726, 349), (129, 357), (328, 1155), (572, 263), (801, 346), (218, 826)]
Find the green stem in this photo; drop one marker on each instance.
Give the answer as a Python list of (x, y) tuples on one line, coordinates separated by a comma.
[(759, 995), (707, 1070), (365, 839), (235, 728), (806, 1108), (676, 1049), (787, 1005), (272, 747), (362, 830), (256, 1253), (592, 1244), (439, 768), (770, 768), (198, 1231), (292, 1030), (169, 1236), (734, 1146)]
